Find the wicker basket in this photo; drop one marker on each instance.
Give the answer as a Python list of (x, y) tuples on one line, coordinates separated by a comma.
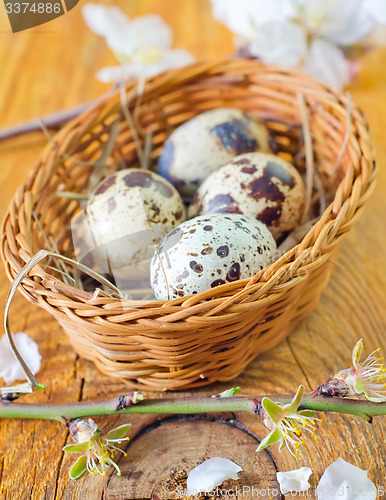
[(191, 342)]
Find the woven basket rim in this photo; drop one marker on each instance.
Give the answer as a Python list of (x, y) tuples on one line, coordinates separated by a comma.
[(271, 281)]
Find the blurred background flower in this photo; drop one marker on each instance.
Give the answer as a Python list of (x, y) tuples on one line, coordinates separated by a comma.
[(141, 45), (311, 35)]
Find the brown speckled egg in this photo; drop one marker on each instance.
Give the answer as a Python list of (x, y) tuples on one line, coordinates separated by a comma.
[(259, 185), (205, 143), (208, 251), (128, 212)]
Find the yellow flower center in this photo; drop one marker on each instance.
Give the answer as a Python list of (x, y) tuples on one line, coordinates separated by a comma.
[(150, 55)]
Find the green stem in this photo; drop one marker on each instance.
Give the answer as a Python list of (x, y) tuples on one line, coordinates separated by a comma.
[(181, 405)]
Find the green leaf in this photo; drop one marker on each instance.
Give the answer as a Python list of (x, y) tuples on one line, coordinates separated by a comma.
[(230, 392), (275, 412), (77, 448), (118, 432), (227, 393), (294, 405), (79, 467), (271, 438)]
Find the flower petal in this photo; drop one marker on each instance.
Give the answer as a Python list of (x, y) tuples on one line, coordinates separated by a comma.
[(170, 59), (294, 480), (79, 467), (294, 405), (151, 30), (104, 20), (327, 63), (343, 480), (211, 473), (117, 74), (343, 22), (271, 438), (376, 9), (307, 413), (10, 369), (77, 448), (356, 353), (274, 411), (282, 43), (374, 399), (244, 17), (118, 432)]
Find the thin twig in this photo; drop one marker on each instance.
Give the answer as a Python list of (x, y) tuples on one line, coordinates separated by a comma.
[(309, 157), (100, 165), (52, 247), (163, 270), (64, 274), (130, 122), (64, 155), (321, 196), (147, 149), (72, 196), (252, 404), (53, 120)]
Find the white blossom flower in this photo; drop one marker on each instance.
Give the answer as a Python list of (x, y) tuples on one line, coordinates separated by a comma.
[(327, 63), (142, 45), (367, 377), (10, 368), (287, 423), (376, 10), (294, 480), (97, 450), (306, 34), (211, 473), (342, 480), (271, 43), (343, 22), (243, 17)]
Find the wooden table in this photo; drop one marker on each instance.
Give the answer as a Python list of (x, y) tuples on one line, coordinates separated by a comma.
[(52, 67)]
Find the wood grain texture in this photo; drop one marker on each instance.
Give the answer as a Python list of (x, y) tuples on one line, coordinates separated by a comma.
[(52, 67)]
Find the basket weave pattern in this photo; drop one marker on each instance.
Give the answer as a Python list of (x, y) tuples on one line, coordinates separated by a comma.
[(191, 341)]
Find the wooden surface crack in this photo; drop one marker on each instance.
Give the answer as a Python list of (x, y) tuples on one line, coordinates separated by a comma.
[(299, 365), (57, 475)]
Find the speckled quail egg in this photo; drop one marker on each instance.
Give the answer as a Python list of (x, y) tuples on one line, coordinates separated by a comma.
[(206, 142), (259, 185), (208, 251), (128, 212)]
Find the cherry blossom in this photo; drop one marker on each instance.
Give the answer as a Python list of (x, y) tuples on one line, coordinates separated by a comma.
[(141, 45)]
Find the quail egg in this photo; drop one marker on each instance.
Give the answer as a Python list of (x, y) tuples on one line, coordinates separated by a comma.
[(128, 212), (206, 142), (259, 185), (208, 251)]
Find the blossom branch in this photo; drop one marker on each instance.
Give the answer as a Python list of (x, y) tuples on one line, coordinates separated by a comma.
[(122, 405), (53, 120)]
